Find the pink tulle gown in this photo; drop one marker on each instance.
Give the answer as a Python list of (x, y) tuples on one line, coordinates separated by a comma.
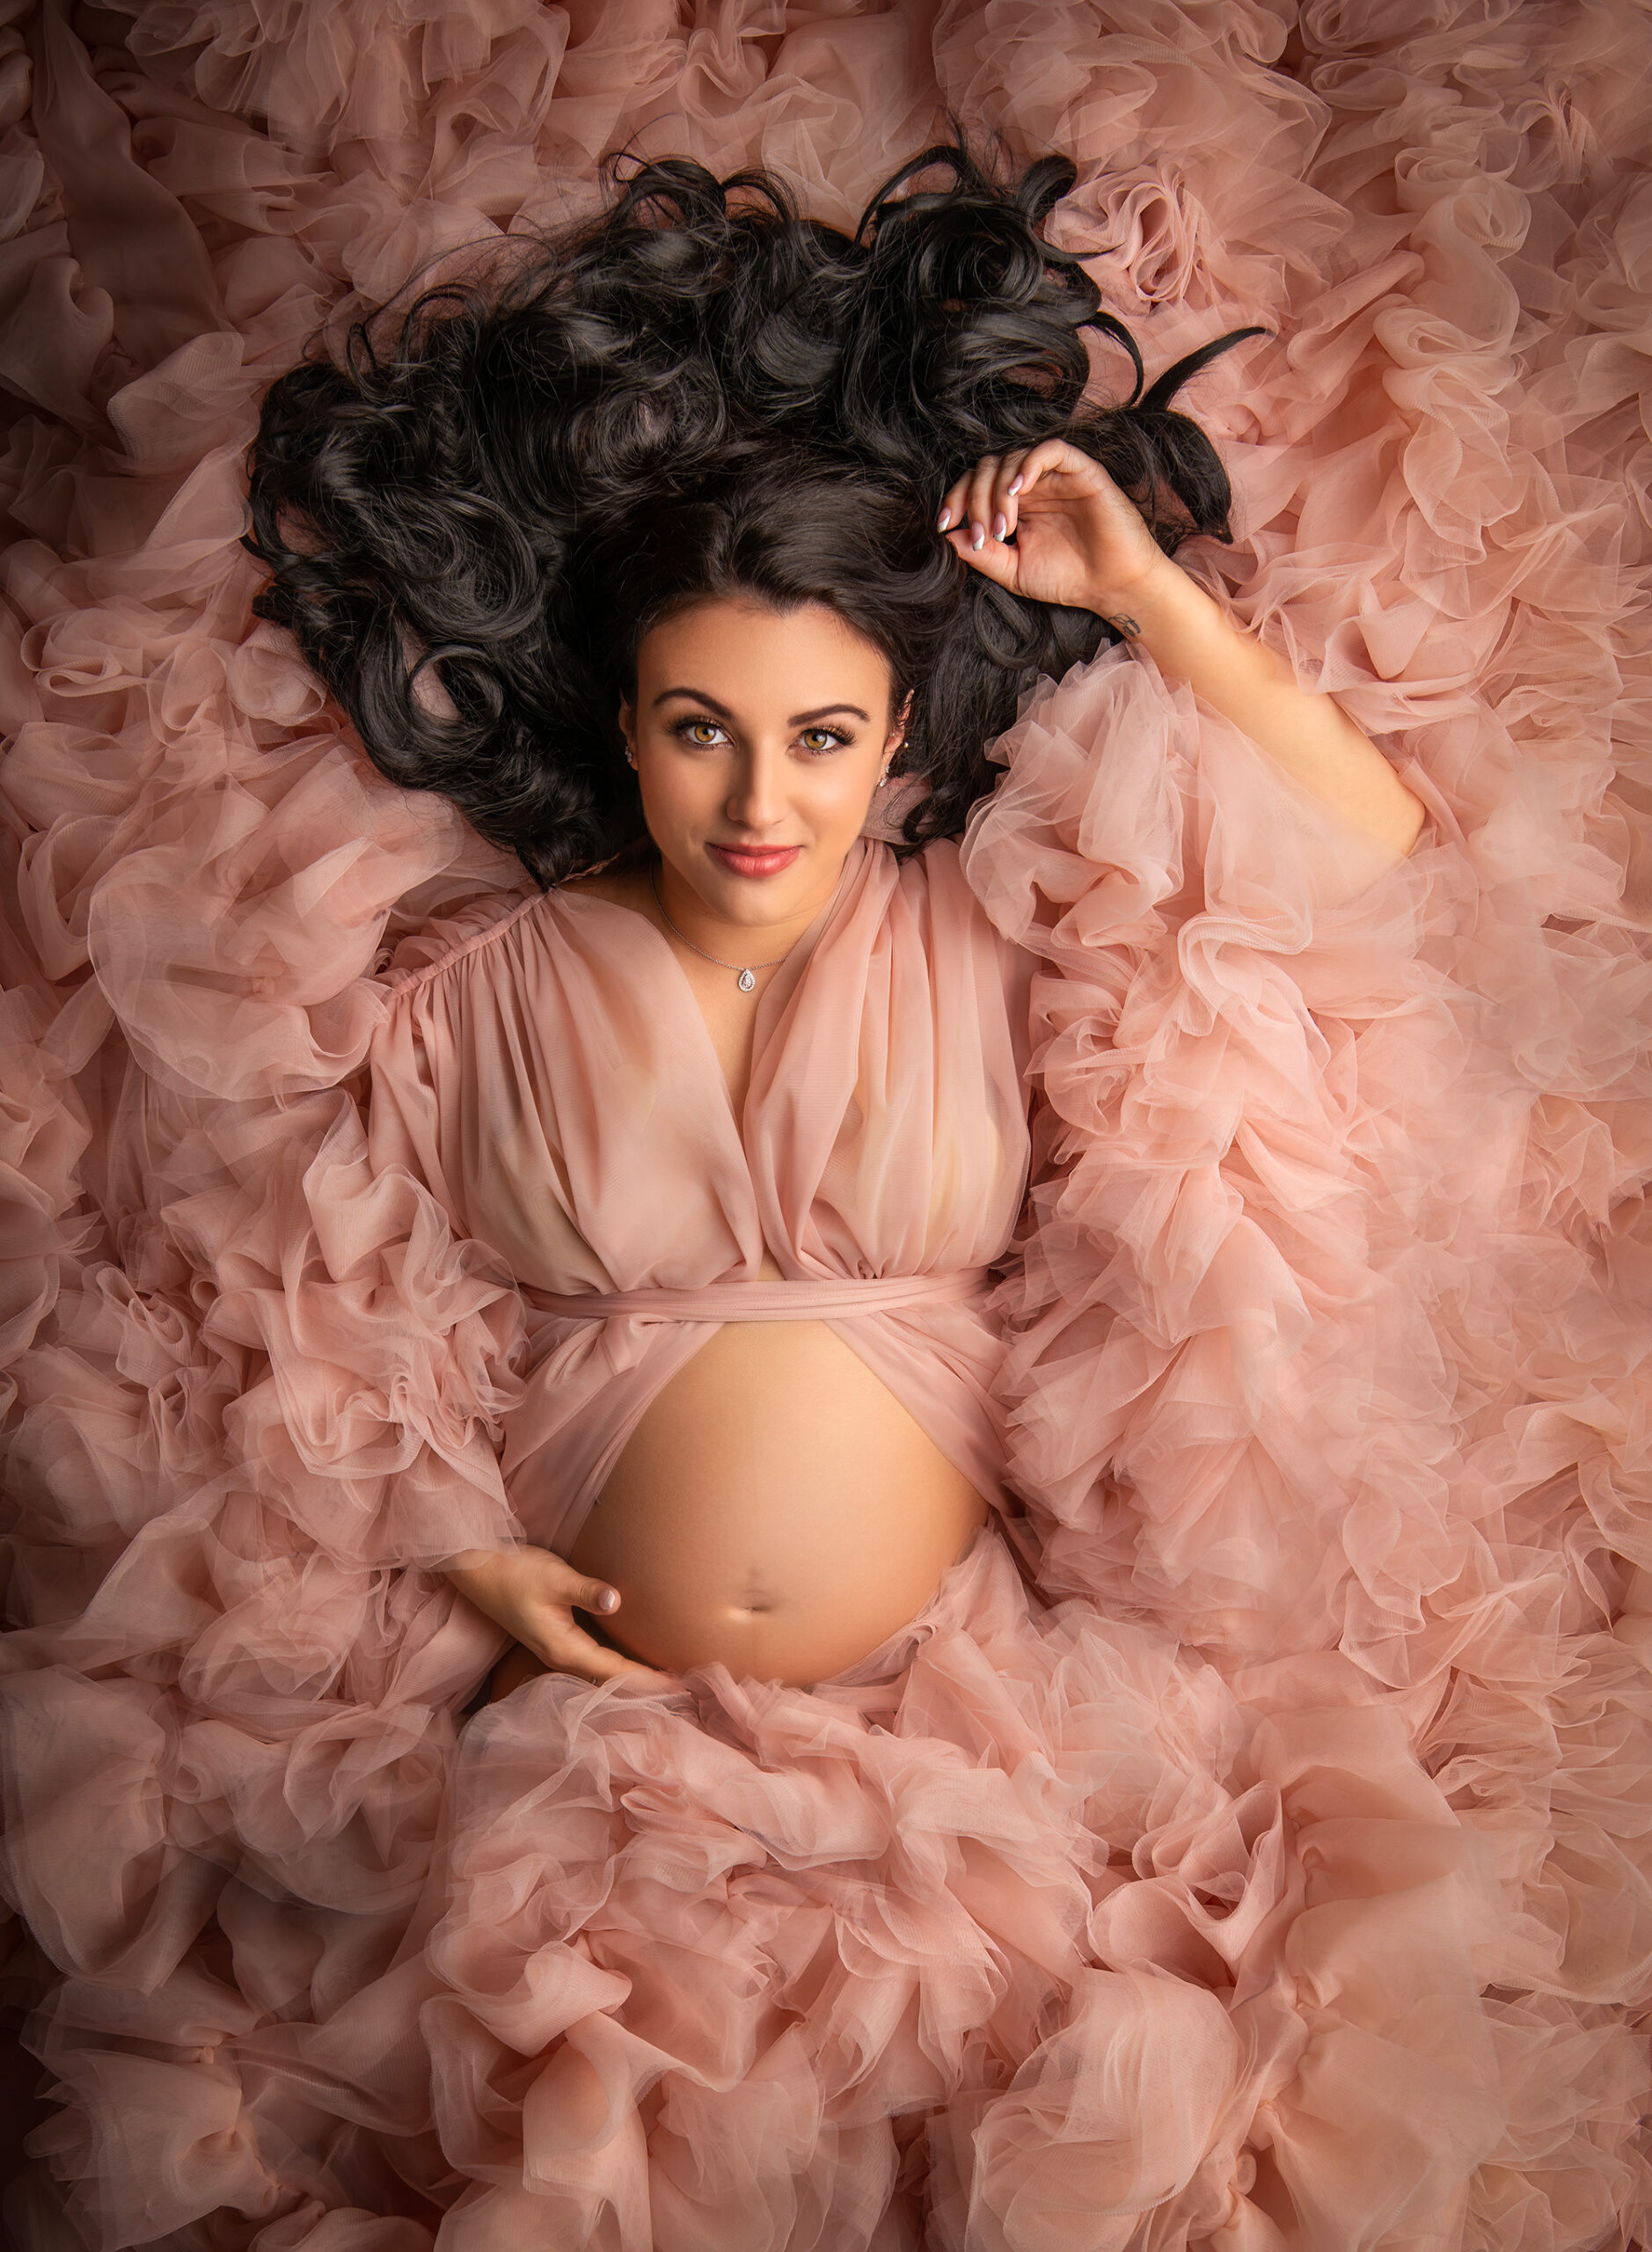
[(1246, 1849)]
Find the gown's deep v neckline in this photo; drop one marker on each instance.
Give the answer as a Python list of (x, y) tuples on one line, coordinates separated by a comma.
[(769, 1002), (541, 1076)]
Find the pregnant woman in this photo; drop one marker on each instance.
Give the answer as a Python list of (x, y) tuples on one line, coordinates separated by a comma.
[(833, 1441), (742, 1107), (701, 559)]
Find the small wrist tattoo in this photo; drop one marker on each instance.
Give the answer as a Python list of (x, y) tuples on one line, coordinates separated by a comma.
[(1127, 627)]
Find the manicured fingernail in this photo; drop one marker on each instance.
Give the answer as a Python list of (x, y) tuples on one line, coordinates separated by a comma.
[(1000, 525), (978, 537), (1015, 486), (609, 1599), (946, 518)]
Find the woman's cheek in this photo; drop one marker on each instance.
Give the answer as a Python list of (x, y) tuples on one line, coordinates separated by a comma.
[(840, 795), (678, 790)]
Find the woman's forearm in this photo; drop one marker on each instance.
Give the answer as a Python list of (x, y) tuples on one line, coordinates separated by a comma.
[(1310, 734)]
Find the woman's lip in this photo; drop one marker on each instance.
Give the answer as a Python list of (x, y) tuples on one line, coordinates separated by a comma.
[(755, 860)]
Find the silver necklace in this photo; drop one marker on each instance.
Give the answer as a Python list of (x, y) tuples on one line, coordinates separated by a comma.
[(746, 978)]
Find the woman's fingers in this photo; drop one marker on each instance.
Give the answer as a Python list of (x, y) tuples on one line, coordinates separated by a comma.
[(983, 506), (984, 511), (1053, 455), (968, 509), (554, 1642), (991, 558), (986, 522), (578, 1654), (571, 1649), (568, 1649), (985, 499), (967, 518), (609, 1665), (953, 507), (1006, 505)]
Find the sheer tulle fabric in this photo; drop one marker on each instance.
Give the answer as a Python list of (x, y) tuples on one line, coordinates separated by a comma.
[(549, 1078), (1264, 1861)]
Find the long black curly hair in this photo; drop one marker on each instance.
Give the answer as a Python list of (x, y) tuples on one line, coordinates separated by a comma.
[(698, 392)]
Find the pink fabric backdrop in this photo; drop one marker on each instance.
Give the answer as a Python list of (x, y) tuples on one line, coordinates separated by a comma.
[(1444, 210)]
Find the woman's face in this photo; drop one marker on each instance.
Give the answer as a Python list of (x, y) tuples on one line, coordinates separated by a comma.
[(759, 739)]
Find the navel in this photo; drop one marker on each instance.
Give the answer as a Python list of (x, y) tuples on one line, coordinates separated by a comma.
[(757, 1600)]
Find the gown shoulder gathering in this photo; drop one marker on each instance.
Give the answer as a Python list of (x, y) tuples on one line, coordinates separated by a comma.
[(1245, 1850)]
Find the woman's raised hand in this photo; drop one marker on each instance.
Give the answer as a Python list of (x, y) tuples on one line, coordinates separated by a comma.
[(1082, 541), (533, 1595), (1079, 539)]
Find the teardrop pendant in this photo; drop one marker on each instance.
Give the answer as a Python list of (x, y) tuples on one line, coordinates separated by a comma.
[(746, 979)]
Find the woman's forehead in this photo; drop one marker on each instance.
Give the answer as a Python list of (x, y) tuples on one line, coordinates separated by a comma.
[(746, 653)]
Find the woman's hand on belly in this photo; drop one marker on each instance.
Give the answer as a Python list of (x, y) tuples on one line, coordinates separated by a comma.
[(533, 1595)]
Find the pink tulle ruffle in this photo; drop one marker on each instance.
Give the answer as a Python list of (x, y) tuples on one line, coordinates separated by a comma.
[(1276, 1872)]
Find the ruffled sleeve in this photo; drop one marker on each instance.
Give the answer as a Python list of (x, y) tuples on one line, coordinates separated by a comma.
[(436, 1315), (390, 1339), (1250, 1191)]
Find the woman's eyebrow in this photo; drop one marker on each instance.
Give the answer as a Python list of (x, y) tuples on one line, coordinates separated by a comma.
[(699, 696), (797, 720)]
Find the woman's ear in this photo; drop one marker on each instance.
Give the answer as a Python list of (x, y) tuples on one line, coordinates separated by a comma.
[(627, 728)]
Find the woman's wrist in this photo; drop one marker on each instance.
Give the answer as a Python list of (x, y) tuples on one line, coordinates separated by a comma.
[(1191, 638), (1144, 605), (474, 1567)]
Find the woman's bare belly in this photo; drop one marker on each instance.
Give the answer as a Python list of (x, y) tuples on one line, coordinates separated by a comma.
[(776, 1509)]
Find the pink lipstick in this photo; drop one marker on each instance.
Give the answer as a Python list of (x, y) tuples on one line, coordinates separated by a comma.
[(754, 859)]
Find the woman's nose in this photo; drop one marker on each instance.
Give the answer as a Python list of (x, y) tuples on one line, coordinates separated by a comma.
[(756, 801)]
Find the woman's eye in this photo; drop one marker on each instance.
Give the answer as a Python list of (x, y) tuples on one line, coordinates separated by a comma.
[(707, 734)]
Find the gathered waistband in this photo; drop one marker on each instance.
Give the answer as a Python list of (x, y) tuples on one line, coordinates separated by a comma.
[(831, 1297)]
